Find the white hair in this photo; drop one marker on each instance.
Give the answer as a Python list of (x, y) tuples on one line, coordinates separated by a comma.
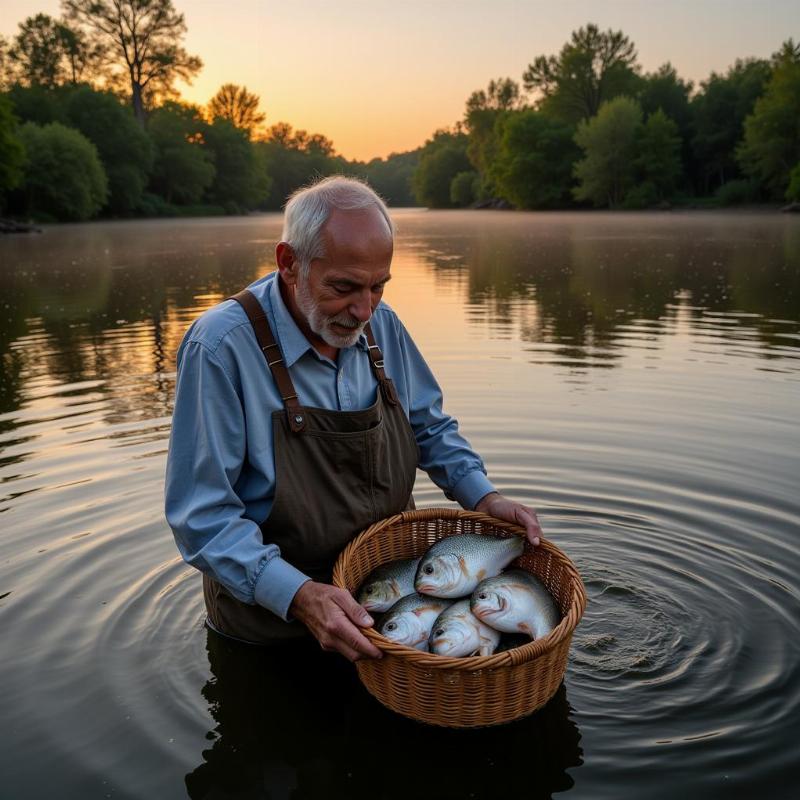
[(309, 208)]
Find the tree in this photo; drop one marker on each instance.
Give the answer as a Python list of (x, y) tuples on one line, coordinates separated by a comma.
[(771, 146), (606, 172), (718, 113), (48, 52), (293, 158), (238, 182), (591, 68), (391, 177), (659, 160), (142, 38), (183, 168), (464, 188), (484, 109), (443, 157), (123, 147), (12, 153), (535, 159), (238, 106), (63, 174)]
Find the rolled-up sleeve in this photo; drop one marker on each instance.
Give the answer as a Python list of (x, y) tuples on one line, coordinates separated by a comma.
[(445, 454), (206, 454)]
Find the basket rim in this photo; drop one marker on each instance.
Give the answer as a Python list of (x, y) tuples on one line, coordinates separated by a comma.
[(515, 656)]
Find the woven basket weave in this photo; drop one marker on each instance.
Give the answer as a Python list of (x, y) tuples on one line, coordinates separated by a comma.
[(477, 690)]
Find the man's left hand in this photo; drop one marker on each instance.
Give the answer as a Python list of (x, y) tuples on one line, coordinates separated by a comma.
[(501, 507)]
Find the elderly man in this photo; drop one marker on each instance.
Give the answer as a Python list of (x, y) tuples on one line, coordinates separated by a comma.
[(302, 411)]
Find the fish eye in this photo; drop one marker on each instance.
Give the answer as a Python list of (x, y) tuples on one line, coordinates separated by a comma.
[(482, 596), (369, 589), (439, 632), (428, 570), (391, 626)]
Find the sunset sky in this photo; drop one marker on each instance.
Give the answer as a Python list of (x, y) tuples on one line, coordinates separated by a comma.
[(379, 77)]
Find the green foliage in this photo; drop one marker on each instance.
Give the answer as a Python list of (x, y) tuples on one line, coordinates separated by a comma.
[(793, 191), (485, 110), (442, 158), (464, 188), (718, 112), (391, 177), (36, 104), (294, 158), (536, 155), (183, 168), (12, 153), (64, 177), (124, 148), (607, 170), (659, 160), (592, 68), (771, 146), (240, 181), (737, 192)]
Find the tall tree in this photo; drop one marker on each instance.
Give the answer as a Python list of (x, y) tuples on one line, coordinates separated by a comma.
[(607, 170), (484, 109), (35, 57), (12, 153), (441, 160), (718, 112), (143, 38), (184, 167), (535, 159), (238, 106), (771, 146), (658, 160), (594, 66)]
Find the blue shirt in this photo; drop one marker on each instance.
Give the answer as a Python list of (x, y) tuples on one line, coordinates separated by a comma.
[(220, 478)]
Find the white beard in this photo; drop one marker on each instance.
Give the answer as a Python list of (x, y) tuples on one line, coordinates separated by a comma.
[(320, 324)]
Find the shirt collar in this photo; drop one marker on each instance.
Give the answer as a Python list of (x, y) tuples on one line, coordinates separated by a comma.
[(292, 340)]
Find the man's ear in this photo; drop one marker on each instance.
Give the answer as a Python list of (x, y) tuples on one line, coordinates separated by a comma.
[(288, 266)]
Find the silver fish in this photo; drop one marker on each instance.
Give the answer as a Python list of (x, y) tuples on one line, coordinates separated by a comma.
[(386, 584), (458, 632), (454, 566), (410, 619), (515, 602)]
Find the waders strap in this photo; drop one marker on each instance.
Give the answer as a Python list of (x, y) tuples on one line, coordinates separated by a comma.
[(376, 360), (273, 357)]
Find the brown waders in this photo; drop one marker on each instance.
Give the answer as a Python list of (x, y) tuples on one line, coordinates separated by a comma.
[(336, 473)]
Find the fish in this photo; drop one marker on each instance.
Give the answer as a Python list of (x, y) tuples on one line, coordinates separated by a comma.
[(410, 619), (454, 566), (386, 584), (458, 632), (515, 602)]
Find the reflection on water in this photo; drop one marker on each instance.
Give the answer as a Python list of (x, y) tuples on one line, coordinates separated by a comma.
[(635, 377), (298, 723)]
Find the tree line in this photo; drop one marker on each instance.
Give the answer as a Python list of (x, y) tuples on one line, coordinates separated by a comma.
[(91, 125), (602, 132)]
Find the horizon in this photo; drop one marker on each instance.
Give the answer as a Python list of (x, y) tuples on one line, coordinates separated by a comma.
[(373, 111)]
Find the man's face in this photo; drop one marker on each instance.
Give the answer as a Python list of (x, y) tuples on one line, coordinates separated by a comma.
[(343, 289)]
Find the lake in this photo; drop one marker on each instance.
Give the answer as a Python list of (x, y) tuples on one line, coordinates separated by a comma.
[(635, 377)]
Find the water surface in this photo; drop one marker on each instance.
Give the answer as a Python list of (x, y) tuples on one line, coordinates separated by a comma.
[(635, 377)]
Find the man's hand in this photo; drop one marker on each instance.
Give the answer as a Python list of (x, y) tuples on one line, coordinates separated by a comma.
[(501, 507), (333, 617)]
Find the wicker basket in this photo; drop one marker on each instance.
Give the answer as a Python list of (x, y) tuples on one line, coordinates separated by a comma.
[(478, 690)]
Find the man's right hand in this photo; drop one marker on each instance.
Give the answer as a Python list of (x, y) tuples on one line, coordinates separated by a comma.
[(334, 618)]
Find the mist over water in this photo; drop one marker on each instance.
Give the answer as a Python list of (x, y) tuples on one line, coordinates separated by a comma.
[(635, 377)]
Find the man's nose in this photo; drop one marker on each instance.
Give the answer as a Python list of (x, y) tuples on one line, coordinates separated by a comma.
[(361, 308)]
